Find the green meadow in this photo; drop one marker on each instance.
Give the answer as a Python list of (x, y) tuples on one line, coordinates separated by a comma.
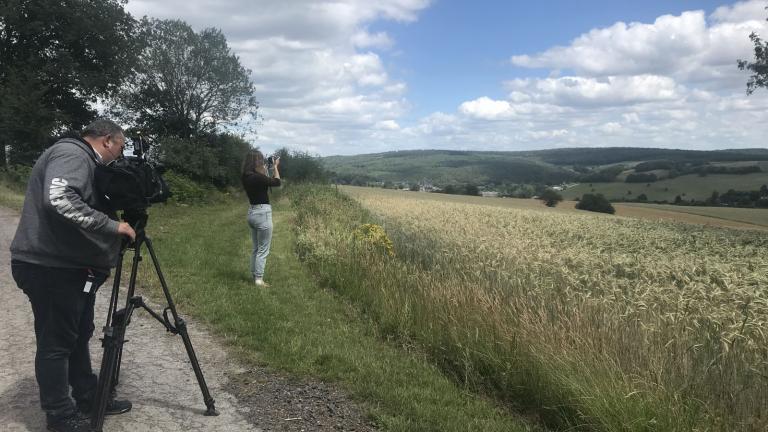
[(689, 187)]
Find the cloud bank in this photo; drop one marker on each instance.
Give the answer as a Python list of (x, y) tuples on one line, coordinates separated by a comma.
[(671, 83), (316, 67), (324, 87)]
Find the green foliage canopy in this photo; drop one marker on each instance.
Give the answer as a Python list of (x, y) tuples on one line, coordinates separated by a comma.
[(301, 167), (57, 58), (758, 67), (187, 83), (595, 203), (605, 175), (641, 178), (214, 158), (550, 197)]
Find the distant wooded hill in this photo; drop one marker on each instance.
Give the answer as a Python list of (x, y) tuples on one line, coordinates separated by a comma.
[(443, 167)]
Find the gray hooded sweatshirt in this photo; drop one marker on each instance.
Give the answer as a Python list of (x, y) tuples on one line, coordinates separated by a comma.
[(60, 225)]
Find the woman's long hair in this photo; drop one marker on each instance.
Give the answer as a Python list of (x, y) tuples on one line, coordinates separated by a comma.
[(253, 163)]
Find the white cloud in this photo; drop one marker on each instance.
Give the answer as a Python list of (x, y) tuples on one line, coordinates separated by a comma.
[(486, 108), (684, 47), (436, 124), (626, 48), (363, 39), (670, 83), (544, 134), (631, 117), (610, 128), (739, 12), (366, 69), (314, 64), (387, 125), (582, 91)]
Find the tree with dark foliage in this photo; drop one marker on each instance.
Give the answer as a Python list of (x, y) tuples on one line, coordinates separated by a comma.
[(641, 178), (550, 197), (214, 158), (301, 167), (450, 189), (58, 57), (595, 203), (470, 189), (758, 67), (187, 83)]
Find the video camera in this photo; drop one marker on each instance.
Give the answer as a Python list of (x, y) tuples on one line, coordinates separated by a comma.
[(132, 183)]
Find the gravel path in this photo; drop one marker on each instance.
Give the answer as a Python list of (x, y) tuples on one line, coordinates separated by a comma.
[(157, 377)]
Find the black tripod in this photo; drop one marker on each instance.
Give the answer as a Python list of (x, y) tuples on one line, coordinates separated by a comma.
[(118, 320)]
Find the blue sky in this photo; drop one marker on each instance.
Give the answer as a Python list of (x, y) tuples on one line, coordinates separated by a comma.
[(459, 49), (357, 76)]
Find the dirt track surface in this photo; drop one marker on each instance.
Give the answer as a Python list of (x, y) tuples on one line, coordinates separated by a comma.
[(157, 377)]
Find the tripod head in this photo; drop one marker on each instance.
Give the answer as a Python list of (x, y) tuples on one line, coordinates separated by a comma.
[(137, 219)]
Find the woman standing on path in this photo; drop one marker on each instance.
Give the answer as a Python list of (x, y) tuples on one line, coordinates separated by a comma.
[(256, 181)]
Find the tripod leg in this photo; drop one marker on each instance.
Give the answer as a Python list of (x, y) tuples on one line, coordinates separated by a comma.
[(114, 337), (99, 402), (128, 300), (181, 326)]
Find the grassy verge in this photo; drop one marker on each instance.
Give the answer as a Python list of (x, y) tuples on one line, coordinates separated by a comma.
[(296, 327), (11, 196)]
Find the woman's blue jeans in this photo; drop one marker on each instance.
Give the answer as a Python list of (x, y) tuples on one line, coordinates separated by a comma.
[(260, 221)]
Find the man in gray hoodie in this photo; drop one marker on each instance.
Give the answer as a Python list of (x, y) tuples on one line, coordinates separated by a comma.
[(65, 245)]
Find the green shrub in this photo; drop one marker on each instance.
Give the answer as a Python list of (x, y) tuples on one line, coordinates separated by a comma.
[(16, 176), (213, 158), (595, 203), (550, 197), (301, 167), (185, 190)]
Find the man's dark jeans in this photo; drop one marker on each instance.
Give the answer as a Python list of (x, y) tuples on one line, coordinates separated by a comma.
[(63, 326)]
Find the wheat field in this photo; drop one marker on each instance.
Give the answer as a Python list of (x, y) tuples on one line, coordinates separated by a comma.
[(594, 322)]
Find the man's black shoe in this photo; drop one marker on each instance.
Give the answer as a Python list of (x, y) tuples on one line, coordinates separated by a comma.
[(72, 423), (114, 407)]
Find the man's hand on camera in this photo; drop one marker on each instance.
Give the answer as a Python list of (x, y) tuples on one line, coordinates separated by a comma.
[(277, 161), (126, 230)]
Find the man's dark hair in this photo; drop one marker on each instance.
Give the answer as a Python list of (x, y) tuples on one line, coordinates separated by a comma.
[(100, 128)]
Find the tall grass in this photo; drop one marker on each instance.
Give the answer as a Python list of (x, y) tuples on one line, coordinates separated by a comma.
[(593, 323), (11, 197), (13, 183)]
